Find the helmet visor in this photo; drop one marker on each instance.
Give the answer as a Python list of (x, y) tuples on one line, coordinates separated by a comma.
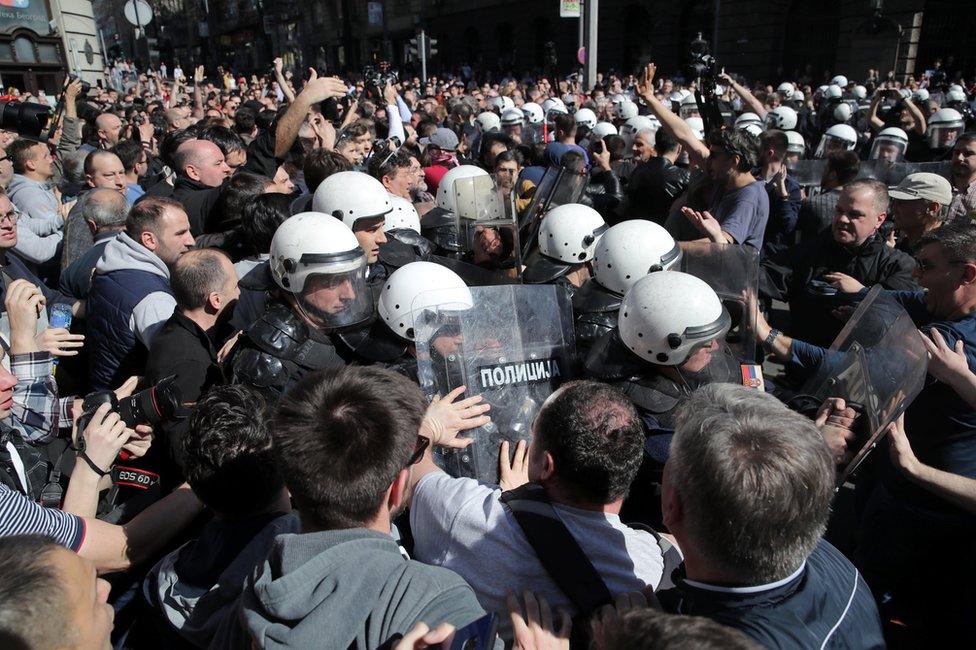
[(890, 150), (330, 300), (830, 144), (943, 136)]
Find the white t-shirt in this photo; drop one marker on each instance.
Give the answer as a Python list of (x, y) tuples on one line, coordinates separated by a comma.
[(462, 525)]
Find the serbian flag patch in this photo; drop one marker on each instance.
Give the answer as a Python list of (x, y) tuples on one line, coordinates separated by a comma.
[(752, 377)]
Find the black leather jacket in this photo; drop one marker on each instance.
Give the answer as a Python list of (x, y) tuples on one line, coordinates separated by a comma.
[(653, 187)]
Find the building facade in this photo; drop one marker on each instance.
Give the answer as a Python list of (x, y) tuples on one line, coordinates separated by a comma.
[(765, 39)]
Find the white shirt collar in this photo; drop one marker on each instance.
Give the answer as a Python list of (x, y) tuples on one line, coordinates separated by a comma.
[(747, 590)]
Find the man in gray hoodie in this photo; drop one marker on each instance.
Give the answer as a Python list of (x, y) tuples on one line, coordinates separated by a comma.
[(345, 441)]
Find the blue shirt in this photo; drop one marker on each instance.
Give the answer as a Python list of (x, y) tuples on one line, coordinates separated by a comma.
[(825, 603), (133, 192), (743, 213)]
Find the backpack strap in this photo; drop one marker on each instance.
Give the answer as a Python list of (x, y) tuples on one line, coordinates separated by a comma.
[(556, 548)]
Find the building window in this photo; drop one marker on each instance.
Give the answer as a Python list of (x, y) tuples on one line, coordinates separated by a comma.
[(6, 54), (24, 50), (48, 53)]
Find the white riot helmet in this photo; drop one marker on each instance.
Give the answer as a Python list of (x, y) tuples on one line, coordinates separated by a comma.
[(553, 104), (627, 110), (512, 117), (697, 126), (753, 129), (795, 143), (839, 137), (417, 287), (889, 145), (488, 121), (666, 317), (603, 129), (921, 95), (318, 259), (955, 96), (501, 104), (585, 117), (569, 100), (842, 112), (860, 92), (619, 98), (955, 87), (570, 233), (748, 118), (840, 80), (833, 92), (905, 93), (446, 197), (352, 196), (798, 97), (403, 216), (785, 89), (635, 125), (688, 107), (533, 113), (945, 125), (782, 118), (630, 250), (821, 90)]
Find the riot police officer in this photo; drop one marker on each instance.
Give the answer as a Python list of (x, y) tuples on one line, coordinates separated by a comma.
[(627, 252), (568, 237), (318, 268)]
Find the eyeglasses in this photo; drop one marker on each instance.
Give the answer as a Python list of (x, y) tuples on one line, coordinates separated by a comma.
[(9, 218), (423, 442)]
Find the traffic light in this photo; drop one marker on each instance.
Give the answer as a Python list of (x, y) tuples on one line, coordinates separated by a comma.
[(413, 50), (431, 47)]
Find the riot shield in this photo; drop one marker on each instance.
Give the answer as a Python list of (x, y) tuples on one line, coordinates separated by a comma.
[(513, 347), (558, 186), (733, 273), (475, 276), (486, 224), (808, 172), (877, 364), (877, 170), (898, 171)]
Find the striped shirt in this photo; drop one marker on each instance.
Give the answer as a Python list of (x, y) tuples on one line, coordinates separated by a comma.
[(21, 516)]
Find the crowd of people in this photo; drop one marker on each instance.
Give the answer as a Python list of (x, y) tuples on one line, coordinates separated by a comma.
[(238, 386)]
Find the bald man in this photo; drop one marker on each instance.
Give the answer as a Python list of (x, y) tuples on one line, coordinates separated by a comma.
[(200, 169), (108, 130), (104, 170), (104, 214)]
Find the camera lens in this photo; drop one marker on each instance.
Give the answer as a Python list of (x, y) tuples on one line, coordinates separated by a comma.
[(25, 118), (156, 404)]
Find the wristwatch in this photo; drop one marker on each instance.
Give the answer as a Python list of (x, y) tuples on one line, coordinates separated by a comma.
[(770, 338)]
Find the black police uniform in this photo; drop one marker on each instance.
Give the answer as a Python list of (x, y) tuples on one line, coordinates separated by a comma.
[(595, 309)]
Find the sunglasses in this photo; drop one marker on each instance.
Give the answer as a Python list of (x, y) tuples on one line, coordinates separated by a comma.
[(423, 442)]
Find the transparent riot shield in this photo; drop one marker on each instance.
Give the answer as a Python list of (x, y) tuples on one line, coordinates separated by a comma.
[(877, 170), (532, 134), (877, 364), (558, 186), (513, 347), (808, 172), (487, 225), (898, 171), (733, 273)]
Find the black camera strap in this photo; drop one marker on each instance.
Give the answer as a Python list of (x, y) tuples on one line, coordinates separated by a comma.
[(557, 549)]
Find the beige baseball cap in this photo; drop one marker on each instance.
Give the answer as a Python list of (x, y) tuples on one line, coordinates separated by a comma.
[(923, 185)]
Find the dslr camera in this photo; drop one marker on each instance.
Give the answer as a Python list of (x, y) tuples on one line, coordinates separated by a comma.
[(152, 406), (375, 79), (701, 63)]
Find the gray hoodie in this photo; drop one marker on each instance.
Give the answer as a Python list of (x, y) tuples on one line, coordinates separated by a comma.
[(180, 589), (125, 253), (342, 589), (37, 203)]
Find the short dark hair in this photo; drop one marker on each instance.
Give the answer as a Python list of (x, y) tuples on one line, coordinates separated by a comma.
[(19, 152), (224, 138), (341, 437), (664, 141), (171, 142), (130, 153), (196, 275), (33, 611), (595, 437), (616, 146), (736, 142), (965, 138), (776, 140), (844, 164), (319, 164), (652, 629), (564, 123), (260, 218), (227, 451), (244, 121), (234, 193), (957, 239), (509, 155), (95, 155), (383, 162), (144, 216)]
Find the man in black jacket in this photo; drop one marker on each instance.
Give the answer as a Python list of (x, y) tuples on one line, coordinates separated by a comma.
[(201, 169), (813, 276), (655, 184)]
